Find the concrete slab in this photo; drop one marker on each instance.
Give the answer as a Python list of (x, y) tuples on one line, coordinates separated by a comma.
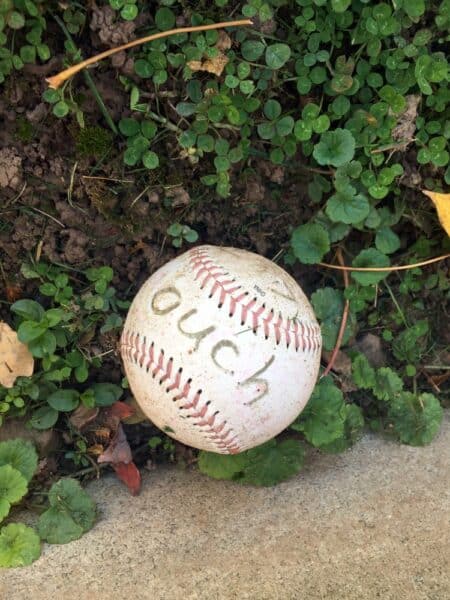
[(368, 524)]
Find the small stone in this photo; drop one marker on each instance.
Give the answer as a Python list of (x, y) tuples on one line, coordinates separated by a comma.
[(371, 346)]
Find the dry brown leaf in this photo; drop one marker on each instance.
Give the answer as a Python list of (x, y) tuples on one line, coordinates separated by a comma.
[(212, 65), (118, 451), (217, 64), (224, 41), (82, 416), (96, 450), (15, 358), (406, 121), (442, 204)]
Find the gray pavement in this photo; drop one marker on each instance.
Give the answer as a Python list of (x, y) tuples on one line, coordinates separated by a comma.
[(372, 523)]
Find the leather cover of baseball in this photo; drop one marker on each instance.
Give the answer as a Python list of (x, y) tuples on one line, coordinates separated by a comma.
[(221, 349)]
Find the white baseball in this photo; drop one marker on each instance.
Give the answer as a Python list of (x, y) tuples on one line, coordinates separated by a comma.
[(221, 349)]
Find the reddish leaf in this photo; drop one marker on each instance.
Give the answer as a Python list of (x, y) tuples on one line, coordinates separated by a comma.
[(118, 450), (13, 292), (121, 410), (129, 474)]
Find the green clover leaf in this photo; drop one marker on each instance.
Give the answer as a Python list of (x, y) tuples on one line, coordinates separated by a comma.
[(71, 513), (58, 527), (322, 421), (310, 242), (416, 419), (21, 455), (13, 485), (64, 400), (277, 55), (370, 258), (387, 241), (335, 148), (264, 465), (363, 373), (272, 463), (19, 545), (221, 466), (387, 384), (328, 305), (353, 426), (345, 206)]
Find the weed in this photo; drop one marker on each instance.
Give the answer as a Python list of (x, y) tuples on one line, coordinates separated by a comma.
[(181, 233), (56, 332)]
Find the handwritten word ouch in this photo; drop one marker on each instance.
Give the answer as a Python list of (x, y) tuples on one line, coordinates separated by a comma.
[(168, 299)]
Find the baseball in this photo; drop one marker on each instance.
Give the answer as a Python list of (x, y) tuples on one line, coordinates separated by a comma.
[(221, 349)]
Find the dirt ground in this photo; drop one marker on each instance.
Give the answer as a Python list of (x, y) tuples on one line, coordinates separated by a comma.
[(60, 204)]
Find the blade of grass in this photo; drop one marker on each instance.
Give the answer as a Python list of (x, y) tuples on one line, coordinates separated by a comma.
[(90, 82)]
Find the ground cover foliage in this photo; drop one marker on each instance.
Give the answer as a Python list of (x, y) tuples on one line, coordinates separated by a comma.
[(307, 136)]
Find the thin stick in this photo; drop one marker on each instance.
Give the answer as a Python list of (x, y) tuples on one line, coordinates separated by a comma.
[(343, 320), (45, 214), (386, 269), (107, 178), (435, 387), (57, 80)]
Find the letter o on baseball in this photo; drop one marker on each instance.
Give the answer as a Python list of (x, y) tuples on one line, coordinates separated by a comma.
[(166, 300)]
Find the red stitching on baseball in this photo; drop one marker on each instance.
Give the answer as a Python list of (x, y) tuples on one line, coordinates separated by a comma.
[(301, 335), (136, 350)]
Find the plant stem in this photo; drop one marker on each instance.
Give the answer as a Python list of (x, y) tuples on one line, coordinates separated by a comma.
[(90, 82), (344, 318), (386, 269), (397, 305), (168, 124)]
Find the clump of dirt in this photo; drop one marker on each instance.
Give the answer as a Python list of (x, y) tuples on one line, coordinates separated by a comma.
[(110, 31), (10, 169)]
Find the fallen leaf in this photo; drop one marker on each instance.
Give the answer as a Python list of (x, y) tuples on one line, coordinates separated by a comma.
[(121, 410), (406, 122), (216, 64), (82, 416), (138, 416), (102, 434), (223, 41), (119, 455), (13, 292), (442, 204), (213, 65), (118, 451), (129, 474), (95, 450), (15, 358)]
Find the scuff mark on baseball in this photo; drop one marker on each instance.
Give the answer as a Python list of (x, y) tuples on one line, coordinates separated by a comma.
[(222, 346)]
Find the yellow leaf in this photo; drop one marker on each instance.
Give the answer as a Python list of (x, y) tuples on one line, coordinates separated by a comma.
[(442, 204), (216, 64), (212, 65), (15, 358)]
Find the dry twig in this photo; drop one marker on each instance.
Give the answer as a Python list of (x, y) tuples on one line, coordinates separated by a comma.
[(343, 320), (57, 80)]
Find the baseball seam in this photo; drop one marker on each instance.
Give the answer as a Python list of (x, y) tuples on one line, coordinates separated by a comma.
[(301, 335), (140, 351)]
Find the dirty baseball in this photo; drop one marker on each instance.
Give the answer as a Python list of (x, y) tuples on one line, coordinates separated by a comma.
[(221, 349)]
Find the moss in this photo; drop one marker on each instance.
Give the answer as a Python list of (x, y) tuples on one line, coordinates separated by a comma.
[(92, 141), (24, 130)]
